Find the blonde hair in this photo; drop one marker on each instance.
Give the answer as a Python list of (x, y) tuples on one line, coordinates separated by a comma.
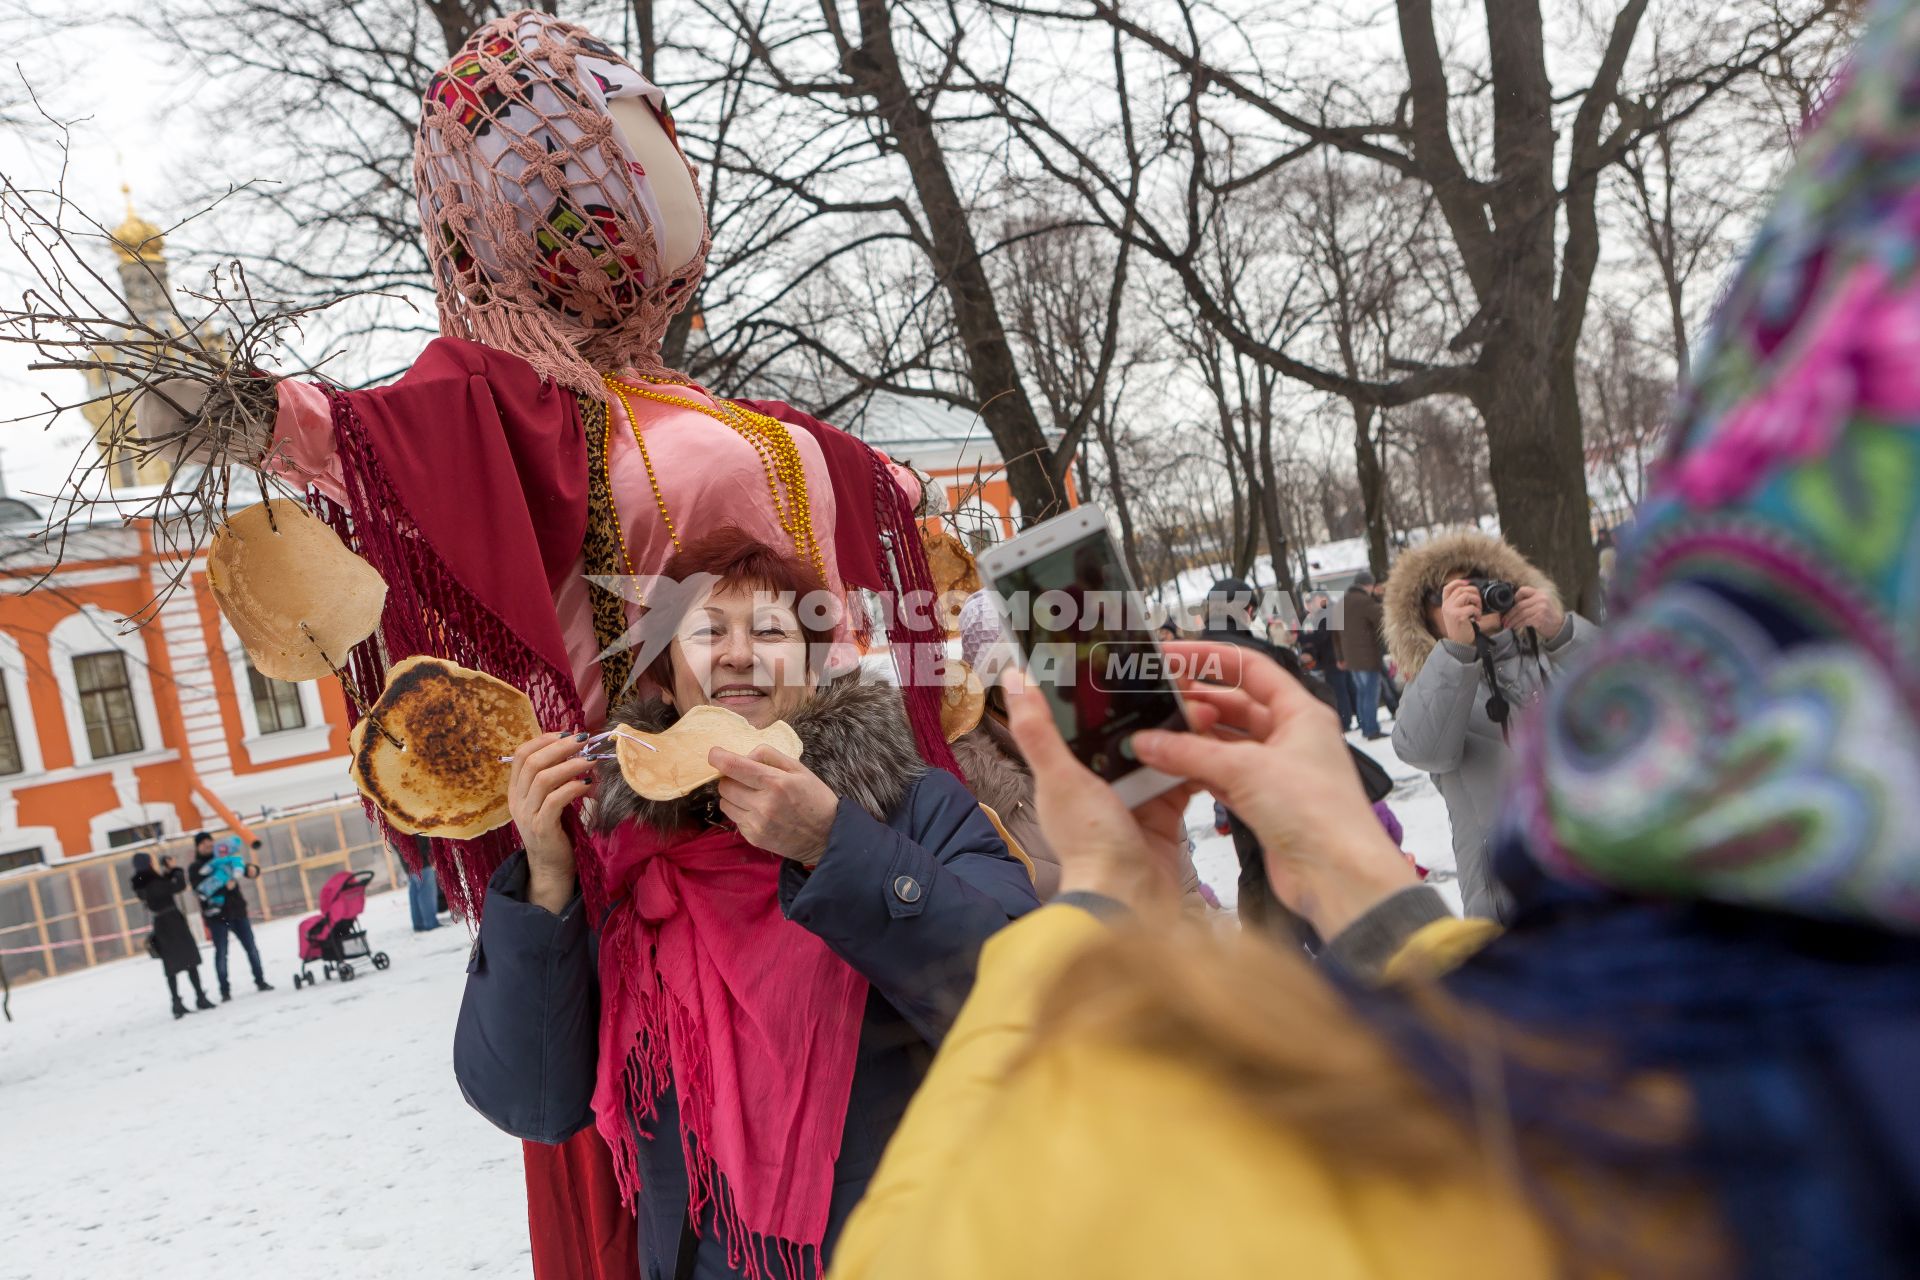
[(1269, 1028)]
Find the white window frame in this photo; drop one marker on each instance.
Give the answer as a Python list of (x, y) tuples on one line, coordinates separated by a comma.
[(13, 670), (93, 630), (309, 739)]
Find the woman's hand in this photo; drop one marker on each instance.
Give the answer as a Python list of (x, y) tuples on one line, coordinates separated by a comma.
[(1288, 777), (1459, 610), (1135, 857), (1534, 608), (778, 803), (547, 776)]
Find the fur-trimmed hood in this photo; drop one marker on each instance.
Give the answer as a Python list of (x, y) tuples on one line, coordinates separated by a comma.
[(854, 736), (1423, 568)]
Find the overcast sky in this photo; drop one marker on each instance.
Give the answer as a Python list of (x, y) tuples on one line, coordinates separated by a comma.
[(122, 98)]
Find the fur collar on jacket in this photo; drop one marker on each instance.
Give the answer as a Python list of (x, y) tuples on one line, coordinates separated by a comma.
[(1423, 568), (855, 737), (995, 772)]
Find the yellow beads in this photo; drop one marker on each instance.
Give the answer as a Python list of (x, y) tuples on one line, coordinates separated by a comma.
[(779, 458), (620, 389)]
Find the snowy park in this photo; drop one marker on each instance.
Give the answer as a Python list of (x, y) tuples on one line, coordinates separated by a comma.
[(286, 1133)]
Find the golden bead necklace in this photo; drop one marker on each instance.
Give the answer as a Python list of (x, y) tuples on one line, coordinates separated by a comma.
[(779, 458)]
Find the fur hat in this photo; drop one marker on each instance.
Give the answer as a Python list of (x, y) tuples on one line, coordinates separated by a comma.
[(1424, 568)]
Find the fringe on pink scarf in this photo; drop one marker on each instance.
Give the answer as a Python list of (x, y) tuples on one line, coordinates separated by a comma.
[(754, 1022)]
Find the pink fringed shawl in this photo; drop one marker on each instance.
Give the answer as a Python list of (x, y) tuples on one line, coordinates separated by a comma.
[(705, 986)]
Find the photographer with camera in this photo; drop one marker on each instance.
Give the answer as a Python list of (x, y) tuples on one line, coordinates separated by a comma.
[(1477, 632)]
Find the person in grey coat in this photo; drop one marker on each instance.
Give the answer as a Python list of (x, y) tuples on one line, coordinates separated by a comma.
[(1446, 724)]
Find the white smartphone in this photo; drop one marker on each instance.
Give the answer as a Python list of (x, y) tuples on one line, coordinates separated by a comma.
[(1083, 637)]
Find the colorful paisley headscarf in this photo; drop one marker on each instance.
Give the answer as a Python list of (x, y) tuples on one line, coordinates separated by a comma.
[(1748, 729), (539, 220)]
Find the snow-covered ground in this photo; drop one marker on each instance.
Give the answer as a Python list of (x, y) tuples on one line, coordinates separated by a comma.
[(287, 1134), (316, 1132)]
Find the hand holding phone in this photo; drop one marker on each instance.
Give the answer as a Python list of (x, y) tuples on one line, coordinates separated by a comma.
[(1273, 753), (1135, 857), (1086, 642)]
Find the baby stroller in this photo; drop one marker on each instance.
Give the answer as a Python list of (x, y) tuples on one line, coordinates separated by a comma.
[(334, 937)]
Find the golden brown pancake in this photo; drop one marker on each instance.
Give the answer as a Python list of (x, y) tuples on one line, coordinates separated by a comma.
[(678, 763), (963, 701), (293, 593), (446, 777), (955, 576)]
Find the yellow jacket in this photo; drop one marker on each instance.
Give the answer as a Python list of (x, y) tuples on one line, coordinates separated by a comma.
[(1093, 1159)]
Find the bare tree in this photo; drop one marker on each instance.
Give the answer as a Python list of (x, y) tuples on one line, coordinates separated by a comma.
[(1363, 237), (1522, 227), (899, 73), (1630, 393)]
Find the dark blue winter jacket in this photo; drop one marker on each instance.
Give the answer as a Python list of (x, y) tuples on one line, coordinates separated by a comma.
[(907, 903)]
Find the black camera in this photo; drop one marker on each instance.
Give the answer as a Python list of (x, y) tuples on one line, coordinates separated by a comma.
[(1495, 596)]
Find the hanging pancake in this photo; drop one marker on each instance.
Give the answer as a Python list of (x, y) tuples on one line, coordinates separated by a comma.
[(294, 595), (955, 575), (678, 762), (962, 701), (445, 778)]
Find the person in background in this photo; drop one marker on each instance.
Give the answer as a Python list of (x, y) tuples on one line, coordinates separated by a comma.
[(423, 888), (1470, 673), (172, 940), (1358, 653), (1229, 620), (216, 875), (1323, 659)]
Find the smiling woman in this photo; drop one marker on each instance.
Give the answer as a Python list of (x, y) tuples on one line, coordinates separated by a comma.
[(786, 945), (749, 642)]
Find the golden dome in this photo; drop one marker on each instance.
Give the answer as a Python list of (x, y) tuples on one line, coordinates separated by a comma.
[(136, 239)]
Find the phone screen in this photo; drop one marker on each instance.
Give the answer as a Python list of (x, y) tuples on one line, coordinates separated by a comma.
[(1087, 645)]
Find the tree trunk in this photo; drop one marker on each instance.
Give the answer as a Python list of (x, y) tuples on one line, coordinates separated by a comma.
[(1373, 487), (1249, 537), (955, 257), (1270, 515), (1122, 508), (1538, 474), (457, 20), (649, 45)]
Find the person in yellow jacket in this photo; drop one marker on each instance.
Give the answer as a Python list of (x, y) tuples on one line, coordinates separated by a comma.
[(1692, 1050)]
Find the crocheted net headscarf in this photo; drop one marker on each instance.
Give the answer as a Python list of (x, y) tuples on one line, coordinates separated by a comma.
[(539, 219)]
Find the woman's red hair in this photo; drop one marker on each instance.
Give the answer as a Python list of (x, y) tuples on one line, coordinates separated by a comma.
[(738, 559)]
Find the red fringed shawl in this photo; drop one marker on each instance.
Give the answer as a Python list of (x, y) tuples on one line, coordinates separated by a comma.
[(478, 470)]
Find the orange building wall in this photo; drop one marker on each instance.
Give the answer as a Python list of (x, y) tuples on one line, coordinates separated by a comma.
[(69, 805), (332, 703)]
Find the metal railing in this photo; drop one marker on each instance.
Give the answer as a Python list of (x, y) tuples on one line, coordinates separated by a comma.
[(82, 911)]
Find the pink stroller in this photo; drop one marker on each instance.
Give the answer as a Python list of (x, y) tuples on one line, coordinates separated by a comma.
[(334, 937)]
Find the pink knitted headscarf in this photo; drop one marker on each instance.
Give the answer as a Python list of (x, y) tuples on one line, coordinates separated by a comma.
[(539, 219)]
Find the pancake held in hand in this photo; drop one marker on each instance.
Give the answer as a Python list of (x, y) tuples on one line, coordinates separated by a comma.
[(678, 762), (445, 778), (293, 593)]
